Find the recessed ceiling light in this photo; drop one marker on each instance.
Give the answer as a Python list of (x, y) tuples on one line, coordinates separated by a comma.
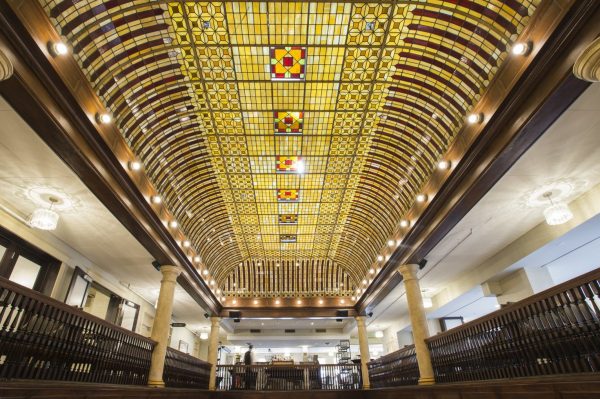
[(404, 223), (521, 48), (391, 243), (320, 301), (197, 259), (58, 48), (185, 244), (222, 299), (212, 282), (379, 258), (103, 117), (299, 302), (205, 272), (354, 298), (134, 165), (173, 224), (277, 302), (156, 199), (343, 301), (475, 118), (234, 301), (372, 271), (421, 197), (255, 302), (443, 165), (365, 282)]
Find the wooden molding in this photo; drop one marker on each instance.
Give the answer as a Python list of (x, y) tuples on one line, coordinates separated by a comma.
[(520, 105), (62, 114)]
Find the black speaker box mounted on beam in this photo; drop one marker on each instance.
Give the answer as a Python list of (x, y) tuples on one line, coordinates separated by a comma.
[(235, 314), (341, 313)]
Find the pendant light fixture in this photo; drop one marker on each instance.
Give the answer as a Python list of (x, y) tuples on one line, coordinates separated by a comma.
[(556, 213), (45, 219)]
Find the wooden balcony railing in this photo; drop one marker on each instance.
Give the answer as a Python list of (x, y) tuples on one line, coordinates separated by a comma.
[(395, 369), (185, 371), (554, 332), (289, 377), (44, 339)]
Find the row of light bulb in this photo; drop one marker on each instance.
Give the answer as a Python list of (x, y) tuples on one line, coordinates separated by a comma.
[(520, 48), (61, 49), (104, 118), (234, 301)]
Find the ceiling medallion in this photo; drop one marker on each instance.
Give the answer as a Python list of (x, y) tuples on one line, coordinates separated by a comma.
[(562, 190), (45, 196)]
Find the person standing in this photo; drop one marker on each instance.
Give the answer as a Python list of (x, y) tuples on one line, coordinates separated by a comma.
[(250, 372)]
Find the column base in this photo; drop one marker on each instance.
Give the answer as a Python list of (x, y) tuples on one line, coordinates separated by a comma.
[(367, 386), (426, 381), (156, 383)]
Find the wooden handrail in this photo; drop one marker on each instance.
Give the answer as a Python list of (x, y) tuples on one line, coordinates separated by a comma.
[(592, 275), (556, 331), (185, 371), (394, 369), (17, 288), (292, 377), (42, 338)]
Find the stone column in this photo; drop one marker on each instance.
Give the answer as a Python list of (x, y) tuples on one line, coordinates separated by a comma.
[(162, 324), (363, 342), (418, 320), (6, 67), (587, 65), (213, 346)]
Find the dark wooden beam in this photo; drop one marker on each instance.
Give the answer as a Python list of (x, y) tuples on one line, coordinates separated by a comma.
[(283, 312), (60, 113), (519, 107)]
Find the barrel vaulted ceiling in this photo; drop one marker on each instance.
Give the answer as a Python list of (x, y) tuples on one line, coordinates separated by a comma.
[(289, 138)]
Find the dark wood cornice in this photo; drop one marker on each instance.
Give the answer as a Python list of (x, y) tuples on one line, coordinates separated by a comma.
[(520, 105), (61, 113)]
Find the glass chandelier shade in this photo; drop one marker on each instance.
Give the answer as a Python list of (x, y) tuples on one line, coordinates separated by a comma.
[(44, 219), (558, 213)]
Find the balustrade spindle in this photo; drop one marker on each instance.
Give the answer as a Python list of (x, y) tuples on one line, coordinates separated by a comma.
[(44, 339), (554, 332)]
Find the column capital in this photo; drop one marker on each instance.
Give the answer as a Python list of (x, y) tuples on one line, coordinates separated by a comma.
[(215, 321), (587, 65), (170, 272), (409, 271), (6, 67), (360, 320)]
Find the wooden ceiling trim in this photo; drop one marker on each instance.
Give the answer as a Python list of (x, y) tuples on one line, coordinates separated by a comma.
[(60, 108), (540, 88)]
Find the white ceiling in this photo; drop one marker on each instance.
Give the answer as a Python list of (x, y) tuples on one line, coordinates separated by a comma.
[(88, 228), (568, 151)]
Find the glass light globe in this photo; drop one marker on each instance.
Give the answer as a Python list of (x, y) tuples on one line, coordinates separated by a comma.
[(44, 219), (558, 213)]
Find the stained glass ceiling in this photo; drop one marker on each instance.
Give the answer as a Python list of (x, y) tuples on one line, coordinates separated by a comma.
[(289, 135)]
